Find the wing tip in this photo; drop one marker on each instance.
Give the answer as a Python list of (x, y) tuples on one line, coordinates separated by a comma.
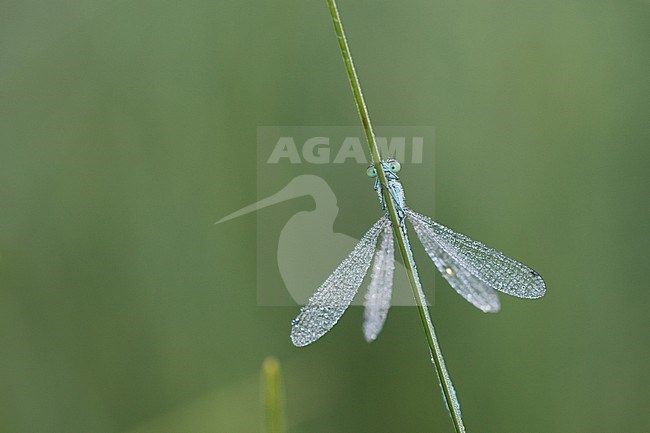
[(370, 333), (538, 294), (299, 339), (533, 294), (370, 337), (540, 290)]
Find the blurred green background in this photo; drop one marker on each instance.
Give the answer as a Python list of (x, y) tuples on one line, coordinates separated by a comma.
[(128, 128)]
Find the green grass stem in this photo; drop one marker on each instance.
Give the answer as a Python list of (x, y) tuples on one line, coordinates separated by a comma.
[(432, 341), (273, 395)]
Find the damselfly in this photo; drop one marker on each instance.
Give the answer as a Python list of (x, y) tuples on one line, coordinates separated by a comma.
[(475, 271)]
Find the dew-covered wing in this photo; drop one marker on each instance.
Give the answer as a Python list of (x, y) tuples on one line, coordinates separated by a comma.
[(333, 297), (483, 263), (467, 285), (377, 300)]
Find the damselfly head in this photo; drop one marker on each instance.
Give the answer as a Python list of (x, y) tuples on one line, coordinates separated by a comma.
[(389, 166), (371, 171), (392, 164)]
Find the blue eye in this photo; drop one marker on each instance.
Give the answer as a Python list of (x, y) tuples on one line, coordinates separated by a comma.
[(372, 171), (394, 166)]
